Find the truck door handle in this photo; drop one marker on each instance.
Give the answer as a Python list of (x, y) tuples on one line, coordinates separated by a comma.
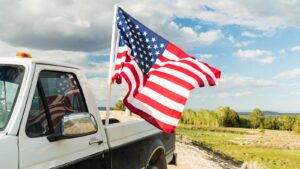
[(95, 141)]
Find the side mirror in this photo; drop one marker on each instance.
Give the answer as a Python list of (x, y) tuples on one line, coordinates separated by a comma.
[(75, 125)]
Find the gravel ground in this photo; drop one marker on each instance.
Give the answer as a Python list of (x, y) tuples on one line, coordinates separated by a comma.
[(192, 157)]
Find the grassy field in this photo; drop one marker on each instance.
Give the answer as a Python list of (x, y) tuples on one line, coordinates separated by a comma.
[(269, 148)]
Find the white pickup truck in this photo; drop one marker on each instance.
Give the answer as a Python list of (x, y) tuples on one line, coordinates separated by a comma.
[(49, 119)]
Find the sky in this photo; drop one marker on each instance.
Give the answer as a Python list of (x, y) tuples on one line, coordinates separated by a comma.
[(256, 44)]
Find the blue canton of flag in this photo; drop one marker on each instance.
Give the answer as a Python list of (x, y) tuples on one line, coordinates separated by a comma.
[(146, 45)]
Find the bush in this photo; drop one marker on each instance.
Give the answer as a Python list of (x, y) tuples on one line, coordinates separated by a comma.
[(227, 117), (286, 122), (200, 118), (271, 123), (244, 122)]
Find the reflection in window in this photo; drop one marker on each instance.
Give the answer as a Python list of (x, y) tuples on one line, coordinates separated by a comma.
[(62, 94), (37, 124)]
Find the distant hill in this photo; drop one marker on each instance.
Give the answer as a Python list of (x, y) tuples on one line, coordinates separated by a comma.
[(269, 113)]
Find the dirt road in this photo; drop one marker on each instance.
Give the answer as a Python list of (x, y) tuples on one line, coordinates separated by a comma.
[(191, 157)]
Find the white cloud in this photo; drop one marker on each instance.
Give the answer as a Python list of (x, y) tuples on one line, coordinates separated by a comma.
[(295, 48), (248, 34), (236, 94), (204, 56), (86, 26), (261, 56), (188, 38), (295, 92), (291, 74), (58, 25), (282, 52), (267, 60), (210, 36), (80, 59), (249, 54), (243, 43), (239, 81), (99, 87), (231, 39), (267, 16)]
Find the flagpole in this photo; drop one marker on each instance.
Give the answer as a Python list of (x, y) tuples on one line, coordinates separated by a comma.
[(111, 61)]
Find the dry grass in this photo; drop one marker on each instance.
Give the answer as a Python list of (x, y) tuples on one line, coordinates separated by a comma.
[(272, 149)]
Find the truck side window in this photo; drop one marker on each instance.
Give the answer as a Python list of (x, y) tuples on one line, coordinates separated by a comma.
[(37, 124), (62, 95)]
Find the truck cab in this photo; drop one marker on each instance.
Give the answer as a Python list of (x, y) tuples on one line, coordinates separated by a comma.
[(49, 119)]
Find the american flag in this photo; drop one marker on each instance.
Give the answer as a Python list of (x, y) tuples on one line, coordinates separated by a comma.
[(159, 75)]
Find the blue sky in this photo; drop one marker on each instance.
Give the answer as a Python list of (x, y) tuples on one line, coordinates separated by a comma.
[(256, 44)]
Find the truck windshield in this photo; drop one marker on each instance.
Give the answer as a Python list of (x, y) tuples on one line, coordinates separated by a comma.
[(10, 80)]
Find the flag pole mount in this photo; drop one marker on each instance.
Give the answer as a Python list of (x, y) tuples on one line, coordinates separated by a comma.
[(111, 63)]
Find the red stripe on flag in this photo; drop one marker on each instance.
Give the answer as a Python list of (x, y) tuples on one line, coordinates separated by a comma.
[(157, 123), (158, 106), (167, 93), (187, 72), (215, 71), (122, 54), (161, 125), (118, 66), (136, 77), (176, 51), (210, 80), (172, 79)]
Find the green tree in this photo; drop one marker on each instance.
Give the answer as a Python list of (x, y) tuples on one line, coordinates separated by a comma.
[(244, 122), (120, 105), (257, 118), (187, 116), (286, 122), (227, 117), (271, 123)]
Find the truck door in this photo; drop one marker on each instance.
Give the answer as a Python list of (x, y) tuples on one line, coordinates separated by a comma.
[(56, 93)]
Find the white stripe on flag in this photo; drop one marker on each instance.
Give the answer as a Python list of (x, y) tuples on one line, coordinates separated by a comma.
[(205, 69), (170, 86), (178, 74), (170, 55), (202, 66), (162, 99), (153, 112), (144, 107)]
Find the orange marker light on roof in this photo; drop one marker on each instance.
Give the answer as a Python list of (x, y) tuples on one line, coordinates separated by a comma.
[(23, 55)]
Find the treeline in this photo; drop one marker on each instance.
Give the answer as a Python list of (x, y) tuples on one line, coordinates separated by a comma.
[(227, 117)]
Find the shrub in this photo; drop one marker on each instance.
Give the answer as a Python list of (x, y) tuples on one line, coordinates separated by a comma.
[(227, 117)]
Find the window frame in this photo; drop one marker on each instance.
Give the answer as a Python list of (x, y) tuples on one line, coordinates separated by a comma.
[(44, 101)]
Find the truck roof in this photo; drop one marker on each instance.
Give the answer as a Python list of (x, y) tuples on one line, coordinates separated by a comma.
[(16, 60)]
